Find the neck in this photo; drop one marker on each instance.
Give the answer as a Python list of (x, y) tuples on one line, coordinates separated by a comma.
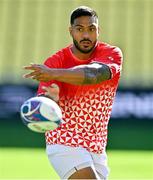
[(80, 55)]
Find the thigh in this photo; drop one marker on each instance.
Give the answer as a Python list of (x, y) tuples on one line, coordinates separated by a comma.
[(100, 164), (67, 160), (84, 173)]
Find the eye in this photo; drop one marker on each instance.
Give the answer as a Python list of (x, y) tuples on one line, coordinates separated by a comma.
[(92, 29), (80, 29)]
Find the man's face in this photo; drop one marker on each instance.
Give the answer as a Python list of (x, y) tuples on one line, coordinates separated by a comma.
[(84, 32)]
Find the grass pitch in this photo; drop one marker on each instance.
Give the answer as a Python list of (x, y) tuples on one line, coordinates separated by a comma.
[(31, 163)]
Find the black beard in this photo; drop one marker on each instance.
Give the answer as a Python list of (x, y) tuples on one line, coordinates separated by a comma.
[(81, 50)]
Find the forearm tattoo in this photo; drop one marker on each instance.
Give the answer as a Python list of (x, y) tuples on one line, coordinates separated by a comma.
[(95, 75)]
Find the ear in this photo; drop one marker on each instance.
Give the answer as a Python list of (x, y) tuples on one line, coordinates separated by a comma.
[(70, 30), (98, 31)]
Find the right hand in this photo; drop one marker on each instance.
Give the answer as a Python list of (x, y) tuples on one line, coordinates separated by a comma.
[(39, 72), (52, 92)]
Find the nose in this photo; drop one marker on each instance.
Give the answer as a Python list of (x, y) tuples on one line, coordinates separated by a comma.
[(85, 34)]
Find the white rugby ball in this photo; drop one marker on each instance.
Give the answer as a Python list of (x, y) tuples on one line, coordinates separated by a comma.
[(41, 114)]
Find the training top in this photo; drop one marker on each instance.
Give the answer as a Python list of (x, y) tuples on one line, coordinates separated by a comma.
[(86, 109)]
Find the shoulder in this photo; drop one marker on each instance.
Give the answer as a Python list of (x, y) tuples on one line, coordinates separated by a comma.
[(107, 51), (57, 58), (62, 52), (107, 48)]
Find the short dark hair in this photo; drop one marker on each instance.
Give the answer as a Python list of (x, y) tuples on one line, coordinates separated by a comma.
[(82, 11)]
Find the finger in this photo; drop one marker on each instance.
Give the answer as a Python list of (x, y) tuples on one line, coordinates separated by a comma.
[(37, 78), (45, 88), (40, 79), (27, 76), (50, 87), (33, 74), (52, 96), (54, 85), (47, 94), (32, 66)]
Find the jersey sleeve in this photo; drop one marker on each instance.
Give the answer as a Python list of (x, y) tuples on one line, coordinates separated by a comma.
[(115, 61), (111, 57), (54, 61)]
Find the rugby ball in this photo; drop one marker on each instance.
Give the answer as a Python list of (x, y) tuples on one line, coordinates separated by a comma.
[(41, 114)]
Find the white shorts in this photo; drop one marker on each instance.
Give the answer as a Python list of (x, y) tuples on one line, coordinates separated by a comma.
[(67, 160)]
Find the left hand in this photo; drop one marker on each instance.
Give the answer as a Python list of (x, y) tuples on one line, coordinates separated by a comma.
[(52, 92), (39, 72)]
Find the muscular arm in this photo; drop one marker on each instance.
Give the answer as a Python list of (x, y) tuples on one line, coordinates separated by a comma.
[(96, 73), (84, 74)]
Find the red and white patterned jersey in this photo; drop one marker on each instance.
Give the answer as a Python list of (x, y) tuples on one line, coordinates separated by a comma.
[(86, 108)]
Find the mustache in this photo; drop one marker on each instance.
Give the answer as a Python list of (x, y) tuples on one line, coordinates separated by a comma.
[(86, 40)]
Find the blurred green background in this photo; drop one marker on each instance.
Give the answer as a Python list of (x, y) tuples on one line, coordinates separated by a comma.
[(32, 30)]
